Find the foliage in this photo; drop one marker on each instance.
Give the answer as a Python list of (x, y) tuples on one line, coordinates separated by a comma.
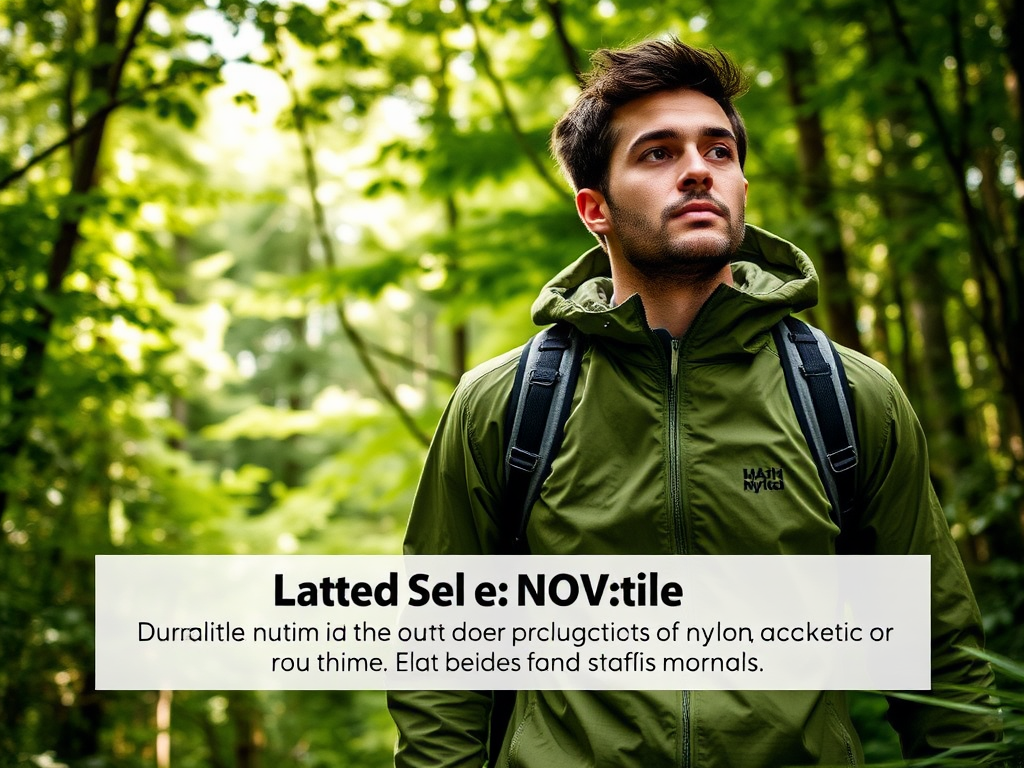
[(1004, 704)]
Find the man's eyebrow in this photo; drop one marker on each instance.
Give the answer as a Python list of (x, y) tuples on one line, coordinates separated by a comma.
[(711, 131), (655, 135), (716, 132)]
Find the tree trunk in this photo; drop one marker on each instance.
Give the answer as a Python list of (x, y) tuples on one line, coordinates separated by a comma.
[(163, 729), (916, 272), (816, 193), (104, 76), (949, 442), (445, 126), (250, 739), (995, 252)]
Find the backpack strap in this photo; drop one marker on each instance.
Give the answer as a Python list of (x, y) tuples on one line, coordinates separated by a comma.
[(534, 421), (544, 385), (824, 407), (503, 706)]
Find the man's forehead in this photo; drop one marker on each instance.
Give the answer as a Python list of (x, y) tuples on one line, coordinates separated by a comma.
[(662, 110)]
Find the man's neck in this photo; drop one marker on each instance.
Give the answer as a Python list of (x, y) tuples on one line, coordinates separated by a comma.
[(669, 304)]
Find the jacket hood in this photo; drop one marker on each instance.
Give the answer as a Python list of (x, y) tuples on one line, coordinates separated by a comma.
[(772, 279)]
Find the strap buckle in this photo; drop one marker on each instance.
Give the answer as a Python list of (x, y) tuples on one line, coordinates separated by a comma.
[(843, 459), (522, 460), (544, 377)]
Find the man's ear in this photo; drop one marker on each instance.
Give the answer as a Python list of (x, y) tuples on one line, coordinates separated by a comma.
[(592, 207)]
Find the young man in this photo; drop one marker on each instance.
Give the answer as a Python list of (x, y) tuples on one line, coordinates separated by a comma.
[(680, 389)]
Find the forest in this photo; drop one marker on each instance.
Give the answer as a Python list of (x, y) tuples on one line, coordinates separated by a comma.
[(248, 247)]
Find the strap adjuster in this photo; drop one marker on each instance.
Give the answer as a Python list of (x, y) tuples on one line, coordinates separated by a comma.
[(824, 371), (522, 460), (843, 459), (544, 377)]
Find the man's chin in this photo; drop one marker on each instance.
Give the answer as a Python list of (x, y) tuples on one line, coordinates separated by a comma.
[(703, 245), (689, 264)]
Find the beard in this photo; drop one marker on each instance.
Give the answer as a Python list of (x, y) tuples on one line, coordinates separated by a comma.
[(696, 257)]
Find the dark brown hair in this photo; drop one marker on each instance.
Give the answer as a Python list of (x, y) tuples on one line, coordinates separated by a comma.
[(582, 140)]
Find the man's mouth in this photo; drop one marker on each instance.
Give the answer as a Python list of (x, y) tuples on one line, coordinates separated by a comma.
[(697, 208)]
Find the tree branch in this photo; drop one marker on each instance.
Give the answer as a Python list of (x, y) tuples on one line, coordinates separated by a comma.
[(953, 158), (572, 60), (327, 245), (958, 167), (74, 33), (101, 113), (962, 98), (444, 124), (413, 365), (506, 106), (130, 41)]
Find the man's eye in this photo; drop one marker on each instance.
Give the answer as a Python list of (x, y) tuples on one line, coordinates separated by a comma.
[(720, 153), (657, 153)]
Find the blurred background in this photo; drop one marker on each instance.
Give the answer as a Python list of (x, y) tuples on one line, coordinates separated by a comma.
[(247, 249)]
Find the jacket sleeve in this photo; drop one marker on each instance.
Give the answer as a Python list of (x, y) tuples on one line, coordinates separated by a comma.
[(453, 513), (902, 516)]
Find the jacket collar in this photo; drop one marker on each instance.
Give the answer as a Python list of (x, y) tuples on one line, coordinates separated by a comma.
[(772, 277)]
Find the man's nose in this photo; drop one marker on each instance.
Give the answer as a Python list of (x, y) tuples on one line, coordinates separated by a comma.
[(693, 171)]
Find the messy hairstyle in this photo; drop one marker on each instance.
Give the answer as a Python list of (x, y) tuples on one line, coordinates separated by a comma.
[(582, 140)]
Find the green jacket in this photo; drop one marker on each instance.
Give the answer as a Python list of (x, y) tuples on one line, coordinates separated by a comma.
[(653, 462)]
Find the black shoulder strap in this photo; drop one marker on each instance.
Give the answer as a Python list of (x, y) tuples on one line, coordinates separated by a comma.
[(544, 385), (824, 407), (534, 422)]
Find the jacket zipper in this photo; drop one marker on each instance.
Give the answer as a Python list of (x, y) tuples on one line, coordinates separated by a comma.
[(675, 482), (676, 500)]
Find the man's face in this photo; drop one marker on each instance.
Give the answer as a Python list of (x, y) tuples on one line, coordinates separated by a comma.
[(675, 194)]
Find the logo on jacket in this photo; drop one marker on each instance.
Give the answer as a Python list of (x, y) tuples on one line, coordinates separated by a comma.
[(759, 479)]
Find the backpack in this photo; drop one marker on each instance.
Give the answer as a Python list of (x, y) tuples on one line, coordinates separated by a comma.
[(542, 398)]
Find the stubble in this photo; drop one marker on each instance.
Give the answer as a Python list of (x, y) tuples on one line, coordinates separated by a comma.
[(655, 256)]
